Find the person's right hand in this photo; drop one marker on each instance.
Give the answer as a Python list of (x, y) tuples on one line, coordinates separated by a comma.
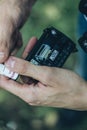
[(56, 87)]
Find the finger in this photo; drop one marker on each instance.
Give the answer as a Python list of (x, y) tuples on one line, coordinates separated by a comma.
[(40, 73), (4, 53), (33, 95), (5, 33), (10, 85), (10, 45), (29, 47), (23, 91)]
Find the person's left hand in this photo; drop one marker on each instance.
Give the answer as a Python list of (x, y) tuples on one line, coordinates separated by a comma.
[(55, 87)]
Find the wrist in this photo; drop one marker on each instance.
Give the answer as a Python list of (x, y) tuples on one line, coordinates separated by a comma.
[(80, 98), (83, 97)]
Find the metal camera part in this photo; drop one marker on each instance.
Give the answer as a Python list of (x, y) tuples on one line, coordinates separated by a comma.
[(52, 49)]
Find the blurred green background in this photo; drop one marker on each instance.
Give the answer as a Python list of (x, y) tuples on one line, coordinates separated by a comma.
[(16, 114)]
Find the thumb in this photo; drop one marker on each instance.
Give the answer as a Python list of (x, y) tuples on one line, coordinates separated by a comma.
[(23, 91), (3, 52), (40, 73)]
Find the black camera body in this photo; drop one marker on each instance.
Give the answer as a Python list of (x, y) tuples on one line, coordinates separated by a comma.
[(83, 7), (52, 49), (83, 39), (83, 42)]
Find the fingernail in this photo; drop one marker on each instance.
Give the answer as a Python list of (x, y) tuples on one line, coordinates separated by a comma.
[(10, 63)]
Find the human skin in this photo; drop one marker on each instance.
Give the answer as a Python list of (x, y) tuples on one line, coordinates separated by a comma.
[(56, 87), (13, 15)]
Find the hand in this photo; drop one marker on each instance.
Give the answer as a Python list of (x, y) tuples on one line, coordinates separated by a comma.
[(56, 87), (13, 15), (10, 37)]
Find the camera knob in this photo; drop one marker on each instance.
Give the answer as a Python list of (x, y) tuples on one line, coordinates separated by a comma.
[(83, 7)]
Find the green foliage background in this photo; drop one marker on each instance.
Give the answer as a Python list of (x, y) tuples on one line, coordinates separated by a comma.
[(16, 114)]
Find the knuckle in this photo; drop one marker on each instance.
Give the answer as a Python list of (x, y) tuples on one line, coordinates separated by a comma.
[(47, 76), (4, 51), (23, 69), (3, 44), (34, 103), (35, 99)]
